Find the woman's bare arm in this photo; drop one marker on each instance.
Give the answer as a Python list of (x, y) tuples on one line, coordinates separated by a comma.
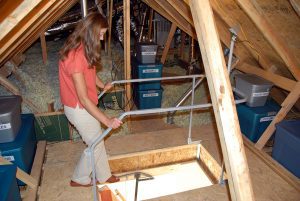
[(81, 91)]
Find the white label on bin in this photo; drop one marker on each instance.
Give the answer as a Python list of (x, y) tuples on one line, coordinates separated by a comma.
[(270, 118), (150, 95), (148, 53), (5, 126), (151, 71), (9, 158), (260, 94)]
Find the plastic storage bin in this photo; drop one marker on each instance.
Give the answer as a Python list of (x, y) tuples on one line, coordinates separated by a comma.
[(255, 88), (146, 52), (22, 150), (255, 120), (10, 117), (286, 149), (141, 71), (148, 99), (9, 190)]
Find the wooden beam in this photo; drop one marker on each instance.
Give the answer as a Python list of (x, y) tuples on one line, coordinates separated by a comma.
[(279, 96), (36, 170), (44, 47), (18, 59), (183, 9), (296, 6), (223, 104), (32, 33), (18, 14), (278, 80), (152, 158), (274, 165), (9, 85), (164, 13), (23, 176), (110, 26), (16, 91), (126, 10), (182, 45), (43, 23), (231, 22), (240, 50), (168, 43), (188, 28), (255, 13), (151, 14), (9, 39), (285, 108), (7, 7)]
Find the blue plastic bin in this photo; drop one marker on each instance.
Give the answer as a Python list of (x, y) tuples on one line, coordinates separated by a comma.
[(21, 151), (286, 149), (141, 71), (9, 190), (148, 99), (255, 120)]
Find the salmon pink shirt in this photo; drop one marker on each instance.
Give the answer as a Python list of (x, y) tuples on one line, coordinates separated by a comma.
[(76, 62)]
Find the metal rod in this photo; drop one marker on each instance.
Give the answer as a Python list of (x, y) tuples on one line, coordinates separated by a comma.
[(234, 31), (84, 8), (221, 180), (233, 38), (91, 152), (241, 95), (137, 177), (91, 148), (191, 113), (143, 24), (182, 99), (152, 79), (129, 113)]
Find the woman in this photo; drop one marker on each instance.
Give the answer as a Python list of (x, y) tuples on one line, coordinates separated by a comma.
[(78, 80)]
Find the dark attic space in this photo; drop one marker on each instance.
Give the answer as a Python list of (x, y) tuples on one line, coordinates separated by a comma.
[(161, 100)]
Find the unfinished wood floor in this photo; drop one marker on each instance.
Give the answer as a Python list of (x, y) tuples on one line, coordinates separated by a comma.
[(269, 183)]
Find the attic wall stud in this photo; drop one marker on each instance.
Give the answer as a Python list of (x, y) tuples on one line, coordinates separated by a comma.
[(44, 47)]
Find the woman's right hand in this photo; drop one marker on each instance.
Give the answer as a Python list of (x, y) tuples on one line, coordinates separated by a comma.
[(114, 123)]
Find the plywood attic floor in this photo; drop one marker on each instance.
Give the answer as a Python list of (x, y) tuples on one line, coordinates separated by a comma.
[(268, 184)]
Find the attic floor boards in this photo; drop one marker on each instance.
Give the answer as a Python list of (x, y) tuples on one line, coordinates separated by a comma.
[(61, 158)]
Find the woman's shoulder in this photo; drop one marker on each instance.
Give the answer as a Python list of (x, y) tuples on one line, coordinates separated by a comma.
[(75, 54), (76, 59)]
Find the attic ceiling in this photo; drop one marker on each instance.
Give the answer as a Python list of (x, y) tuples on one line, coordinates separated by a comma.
[(22, 22), (25, 22)]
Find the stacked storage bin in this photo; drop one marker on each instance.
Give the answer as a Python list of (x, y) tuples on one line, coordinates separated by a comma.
[(17, 135), (9, 190), (258, 112), (286, 148), (255, 120), (147, 94)]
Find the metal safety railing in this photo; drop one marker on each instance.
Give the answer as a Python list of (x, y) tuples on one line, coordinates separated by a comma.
[(191, 107), (146, 111)]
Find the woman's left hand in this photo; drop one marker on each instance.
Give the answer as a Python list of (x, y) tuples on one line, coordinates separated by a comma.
[(107, 86)]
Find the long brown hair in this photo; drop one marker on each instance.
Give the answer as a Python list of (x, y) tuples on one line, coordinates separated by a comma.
[(87, 33)]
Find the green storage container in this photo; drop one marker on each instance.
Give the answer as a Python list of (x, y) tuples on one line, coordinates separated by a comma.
[(147, 99)]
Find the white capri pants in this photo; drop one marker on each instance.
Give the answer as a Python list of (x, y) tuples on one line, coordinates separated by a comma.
[(89, 128)]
